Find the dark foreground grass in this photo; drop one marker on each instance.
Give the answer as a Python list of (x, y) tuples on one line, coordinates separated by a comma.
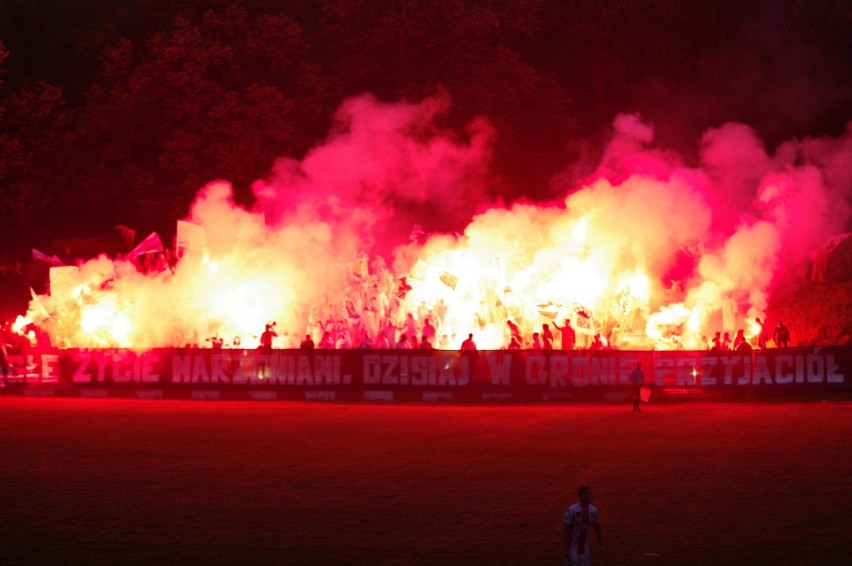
[(147, 482)]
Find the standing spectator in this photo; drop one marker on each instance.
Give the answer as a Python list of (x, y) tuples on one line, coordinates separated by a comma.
[(266, 338), (637, 379), (536, 342), (387, 335), (515, 340), (569, 337), (327, 341), (469, 354), (575, 529), (597, 343), (411, 326), (717, 342), (546, 336), (468, 345), (761, 334), (739, 339), (781, 335), (429, 331)]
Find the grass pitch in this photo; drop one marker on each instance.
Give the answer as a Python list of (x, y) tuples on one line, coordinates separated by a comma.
[(97, 481)]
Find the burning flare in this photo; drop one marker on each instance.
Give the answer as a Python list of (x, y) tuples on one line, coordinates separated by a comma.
[(647, 251)]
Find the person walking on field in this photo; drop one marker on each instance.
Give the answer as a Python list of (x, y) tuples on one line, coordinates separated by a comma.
[(637, 379), (576, 522)]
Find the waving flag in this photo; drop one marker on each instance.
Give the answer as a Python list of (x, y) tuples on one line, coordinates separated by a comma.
[(582, 320), (41, 256), (150, 244)]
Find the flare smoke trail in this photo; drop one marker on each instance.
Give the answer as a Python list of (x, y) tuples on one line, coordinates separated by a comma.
[(659, 251)]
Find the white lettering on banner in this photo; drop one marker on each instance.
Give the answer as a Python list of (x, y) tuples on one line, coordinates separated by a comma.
[(124, 367), (419, 371), (831, 367), (500, 366), (556, 370), (685, 371), (48, 367), (199, 370), (625, 368), (536, 372), (761, 370), (303, 372), (730, 363), (559, 367), (707, 375), (180, 368), (80, 374), (816, 369), (595, 370), (423, 371), (83, 361), (447, 373), (551, 370), (218, 363), (121, 373), (777, 369), (663, 370), (255, 368), (142, 367)]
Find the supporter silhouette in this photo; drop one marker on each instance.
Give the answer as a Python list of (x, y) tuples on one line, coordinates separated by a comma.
[(739, 340), (536, 342), (307, 343), (597, 343), (515, 340), (402, 343), (546, 337), (717, 342), (468, 345), (761, 333), (266, 338), (781, 335), (569, 337)]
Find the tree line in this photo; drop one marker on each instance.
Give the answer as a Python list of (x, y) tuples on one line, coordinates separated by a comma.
[(117, 112)]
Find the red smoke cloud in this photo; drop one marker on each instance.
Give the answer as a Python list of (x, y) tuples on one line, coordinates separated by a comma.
[(660, 252)]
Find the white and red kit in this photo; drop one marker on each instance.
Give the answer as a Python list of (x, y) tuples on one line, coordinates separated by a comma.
[(578, 521)]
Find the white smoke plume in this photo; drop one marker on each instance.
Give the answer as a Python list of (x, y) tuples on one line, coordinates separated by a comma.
[(658, 252)]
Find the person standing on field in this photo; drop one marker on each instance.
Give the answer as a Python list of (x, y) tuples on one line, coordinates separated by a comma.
[(576, 523), (637, 379)]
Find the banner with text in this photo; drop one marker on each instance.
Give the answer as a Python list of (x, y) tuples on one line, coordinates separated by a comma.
[(503, 371)]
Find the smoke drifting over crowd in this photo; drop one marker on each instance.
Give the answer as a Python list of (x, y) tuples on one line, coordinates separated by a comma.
[(390, 217)]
